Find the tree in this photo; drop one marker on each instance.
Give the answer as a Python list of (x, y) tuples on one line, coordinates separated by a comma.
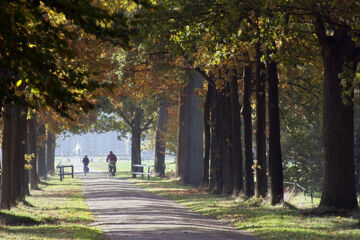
[(31, 151), (159, 166), (189, 162), (13, 155), (261, 178), (247, 89)]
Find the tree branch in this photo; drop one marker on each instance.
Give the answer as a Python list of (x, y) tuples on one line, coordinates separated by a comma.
[(147, 125)]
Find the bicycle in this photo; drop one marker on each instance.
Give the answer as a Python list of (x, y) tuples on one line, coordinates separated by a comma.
[(112, 169), (86, 169)]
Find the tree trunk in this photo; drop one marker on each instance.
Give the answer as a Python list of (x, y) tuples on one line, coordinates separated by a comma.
[(190, 154), (227, 156), (338, 120), (13, 161), (32, 144), (213, 140), (261, 179), (136, 149), (217, 143), (249, 173), (50, 153), (7, 156), (236, 136), (41, 154), (207, 133), (160, 144), (18, 169), (275, 157)]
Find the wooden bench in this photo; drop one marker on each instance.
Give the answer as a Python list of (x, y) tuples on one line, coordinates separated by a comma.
[(142, 173), (63, 173)]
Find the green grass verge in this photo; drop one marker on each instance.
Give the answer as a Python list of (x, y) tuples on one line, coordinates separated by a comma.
[(57, 211), (256, 216)]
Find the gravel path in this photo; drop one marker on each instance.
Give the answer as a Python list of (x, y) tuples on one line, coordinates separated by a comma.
[(126, 212)]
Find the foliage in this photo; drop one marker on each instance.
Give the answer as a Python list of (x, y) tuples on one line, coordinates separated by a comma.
[(38, 63)]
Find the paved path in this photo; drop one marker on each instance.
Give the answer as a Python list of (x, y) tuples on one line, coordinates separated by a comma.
[(126, 212)]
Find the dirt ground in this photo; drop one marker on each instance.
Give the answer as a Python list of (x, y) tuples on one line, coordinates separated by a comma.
[(126, 212)]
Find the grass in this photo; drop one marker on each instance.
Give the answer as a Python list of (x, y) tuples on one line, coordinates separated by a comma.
[(258, 216), (57, 211)]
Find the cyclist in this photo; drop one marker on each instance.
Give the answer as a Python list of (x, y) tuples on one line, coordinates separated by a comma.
[(111, 159), (86, 163)]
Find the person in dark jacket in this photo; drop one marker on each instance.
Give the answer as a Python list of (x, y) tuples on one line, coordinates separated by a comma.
[(86, 163)]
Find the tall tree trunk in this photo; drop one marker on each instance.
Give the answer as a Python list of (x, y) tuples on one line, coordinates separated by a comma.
[(236, 135), (190, 154), (227, 156), (32, 145), (136, 148), (214, 151), (50, 153), (207, 138), (217, 144), (338, 51), (261, 179), (275, 156), (160, 145), (18, 169), (41, 154), (13, 159), (249, 175), (7, 156), (181, 160)]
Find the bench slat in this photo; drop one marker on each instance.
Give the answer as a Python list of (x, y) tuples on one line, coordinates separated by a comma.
[(141, 173)]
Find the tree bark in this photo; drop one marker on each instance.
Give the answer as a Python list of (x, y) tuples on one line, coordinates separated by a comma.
[(249, 173), (41, 154), (160, 145), (7, 156), (227, 156), (261, 179), (18, 170), (217, 144), (13, 161), (214, 151), (275, 156), (136, 141), (207, 138), (236, 135), (338, 51), (50, 153), (32, 145), (190, 155), (136, 149)]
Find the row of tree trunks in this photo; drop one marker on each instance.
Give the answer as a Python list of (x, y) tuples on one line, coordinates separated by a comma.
[(13, 153), (160, 145), (190, 137), (224, 145)]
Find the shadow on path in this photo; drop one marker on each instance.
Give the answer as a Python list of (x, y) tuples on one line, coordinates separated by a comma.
[(127, 212)]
